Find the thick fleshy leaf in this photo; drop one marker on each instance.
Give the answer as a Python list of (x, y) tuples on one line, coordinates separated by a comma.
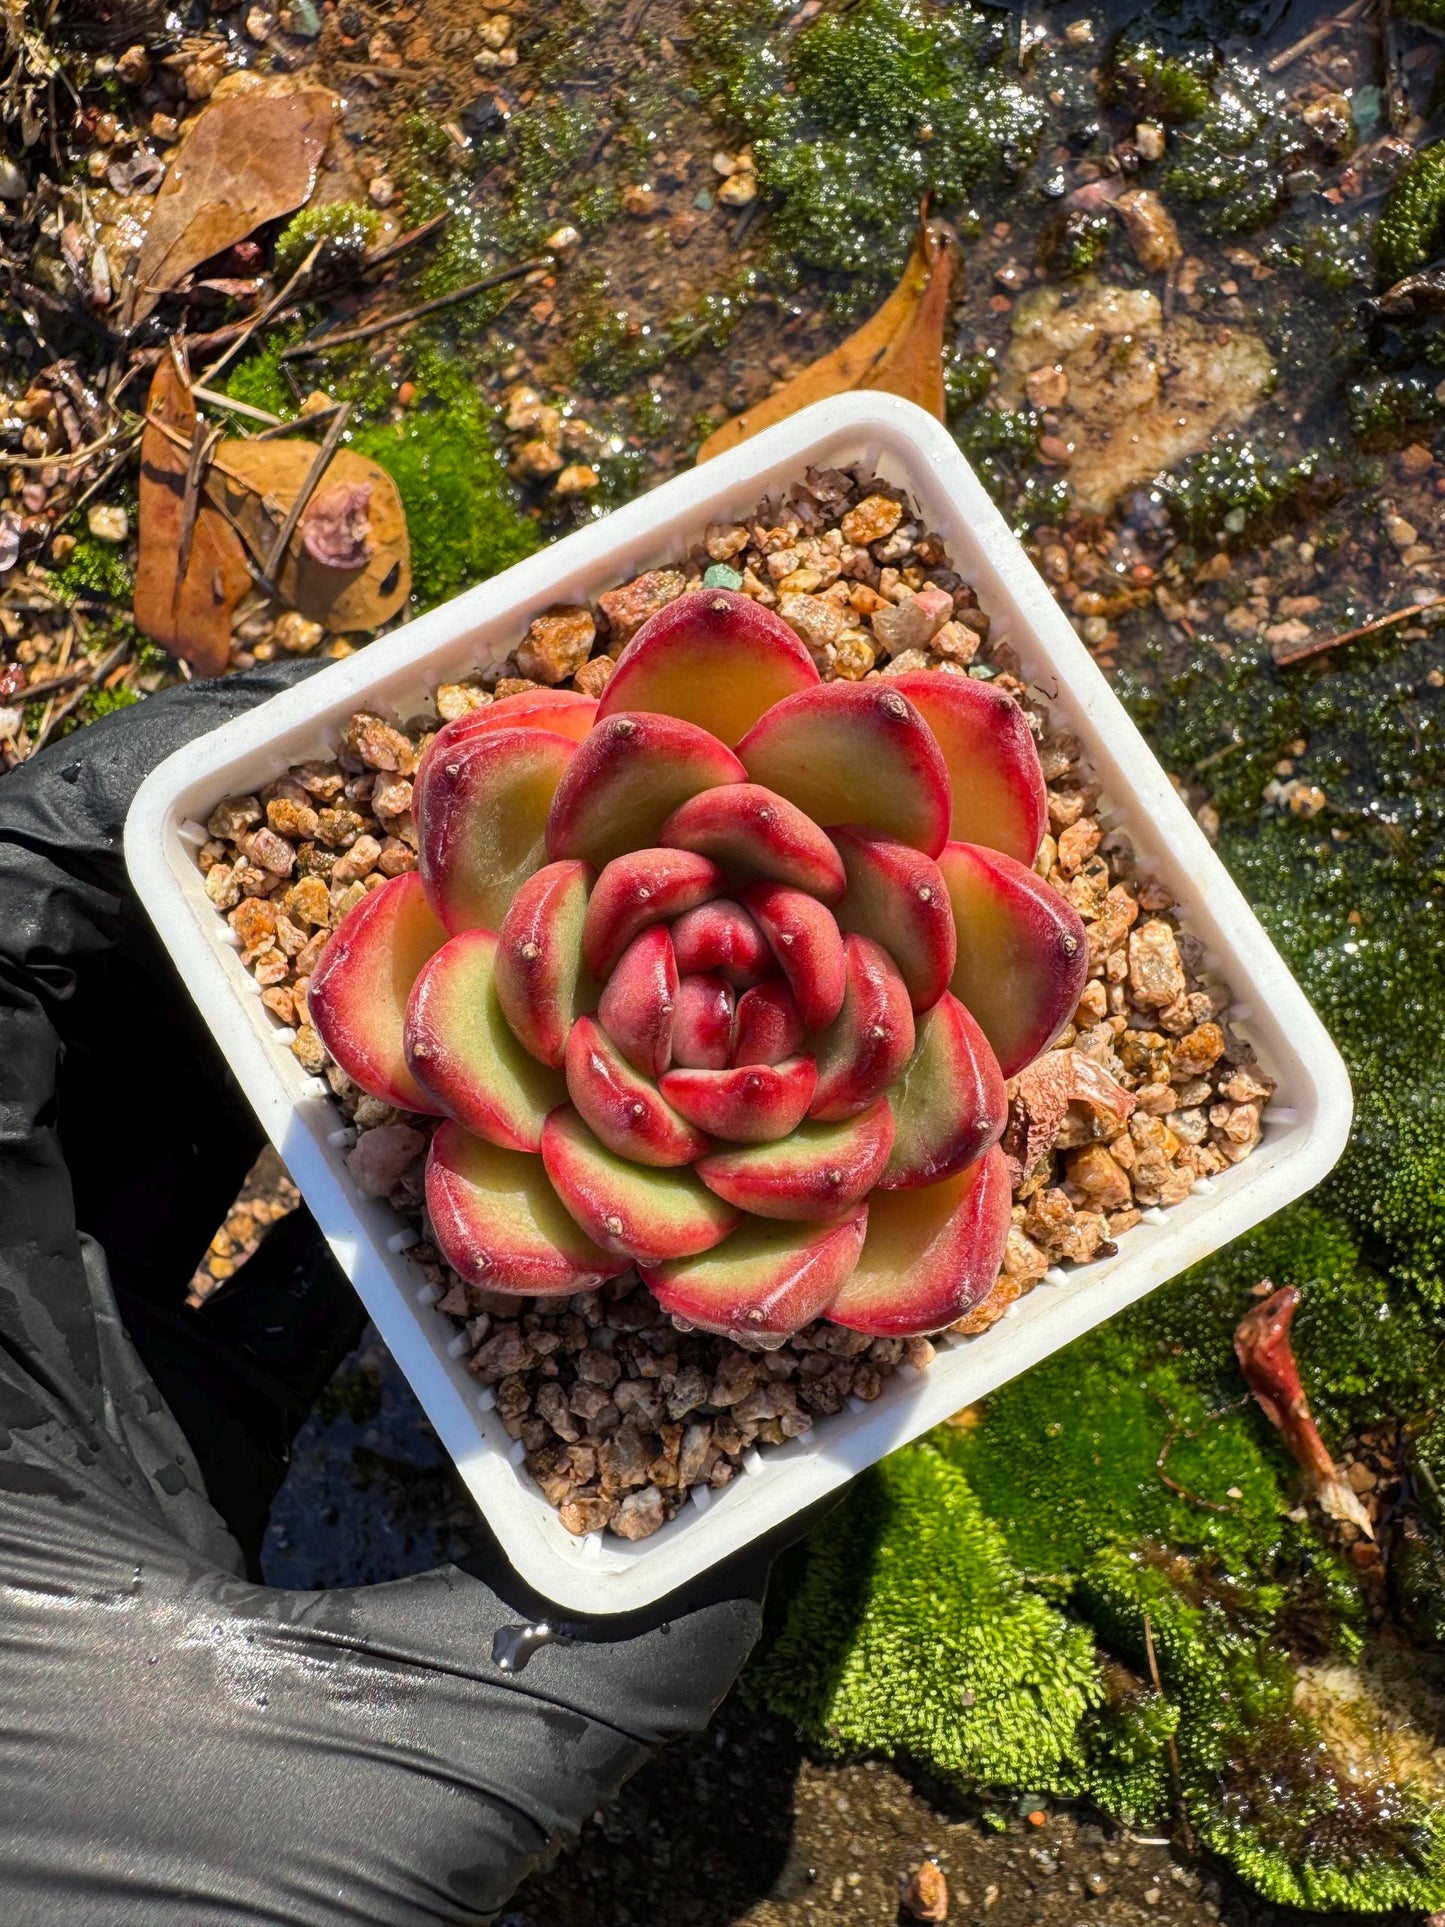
[(755, 833), (854, 752), (712, 657), (1022, 954), (499, 1223), (720, 936), (767, 1280), (542, 984), (769, 1024), (627, 778), (870, 1040), (702, 1031), (637, 1211), (999, 799), (562, 712), (818, 1173), (807, 944), (639, 1001), (896, 896), (621, 1107), (930, 1254), (481, 814), (752, 1104), (461, 1049), (642, 888), (950, 1103), (358, 991)]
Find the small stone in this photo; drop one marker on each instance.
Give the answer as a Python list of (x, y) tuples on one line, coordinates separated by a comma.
[(1415, 461), (577, 479), (133, 67), (925, 1897), (379, 745), (308, 1050), (1156, 974), (627, 608), (1151, 230), (853, 655), (873, 518), (514, 686), (739, 189), (913, 622), (639, 200), (594, 675), (640, 1514), (233, 815), (295, 634), (107, 523), (495, 32), (557, 645), (1079, 33), (1149, 139), (381, 1158), (817, 621), (724, 540), (455, 699), (535, 461), (382, 190), (1403, 534), (1047, 387), (720, 576)]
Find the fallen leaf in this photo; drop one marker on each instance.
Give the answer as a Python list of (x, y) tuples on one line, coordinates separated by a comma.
[(191, 614), (257, 481), (1042, 1094), (247, 160), (899, 350)]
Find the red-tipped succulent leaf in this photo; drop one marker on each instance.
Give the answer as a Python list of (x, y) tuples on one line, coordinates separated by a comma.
[(358, 992)]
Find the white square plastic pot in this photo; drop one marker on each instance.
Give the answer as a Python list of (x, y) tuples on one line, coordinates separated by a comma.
[(1304, 1127)]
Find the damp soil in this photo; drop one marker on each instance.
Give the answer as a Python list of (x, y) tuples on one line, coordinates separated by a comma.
[(740, 1827)]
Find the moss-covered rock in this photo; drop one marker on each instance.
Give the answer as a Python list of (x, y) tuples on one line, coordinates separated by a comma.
[(345, 229)]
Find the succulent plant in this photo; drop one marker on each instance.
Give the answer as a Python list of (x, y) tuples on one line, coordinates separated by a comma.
[(720, 976)]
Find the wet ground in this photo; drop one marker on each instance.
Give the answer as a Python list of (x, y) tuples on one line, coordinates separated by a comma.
[(739, 1828)]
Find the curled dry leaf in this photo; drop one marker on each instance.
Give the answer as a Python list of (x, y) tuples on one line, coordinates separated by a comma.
[(1043, 1093), (1262, 1346), (348, 562), (188, 613), (247, 159), (899, 351)]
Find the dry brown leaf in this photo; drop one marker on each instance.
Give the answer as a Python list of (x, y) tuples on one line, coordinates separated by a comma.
[(247, 160), (256, 482), (189, 615), (900, 350)]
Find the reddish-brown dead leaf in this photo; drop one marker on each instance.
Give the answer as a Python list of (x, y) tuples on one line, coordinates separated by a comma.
[(900, 350), (190, 615), (367, 580), (248, 159), (1043, 1092)]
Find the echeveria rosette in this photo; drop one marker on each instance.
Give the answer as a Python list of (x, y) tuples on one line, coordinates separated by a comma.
[(720, 976)]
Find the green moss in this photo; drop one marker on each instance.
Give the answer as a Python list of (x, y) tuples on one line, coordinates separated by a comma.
[(345, 229), (912, 1633), (1386, 411), (1430, 13), (1075, 241), (1259, 1785), (95, 568), (1233, 494), (463, 514), (1141, 76), (260, 379), (104, 702), (1408, 234), (861, 115)]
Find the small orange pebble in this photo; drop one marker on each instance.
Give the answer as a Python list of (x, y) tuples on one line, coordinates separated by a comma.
[(406, 394), (1037, 1817)]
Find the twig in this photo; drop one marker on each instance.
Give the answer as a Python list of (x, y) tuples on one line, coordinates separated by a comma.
[(299, 424), (1314, 37), (91, 676), (76, 458), (1317, 645), (260, 319), (203, 440), (203, 344), (53, 685), (307, 489), (302, 349), (1173, 1747), (404, 243), (235, 407)]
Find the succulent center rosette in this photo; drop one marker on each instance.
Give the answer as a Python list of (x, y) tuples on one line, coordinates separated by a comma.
[(721, 977)]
